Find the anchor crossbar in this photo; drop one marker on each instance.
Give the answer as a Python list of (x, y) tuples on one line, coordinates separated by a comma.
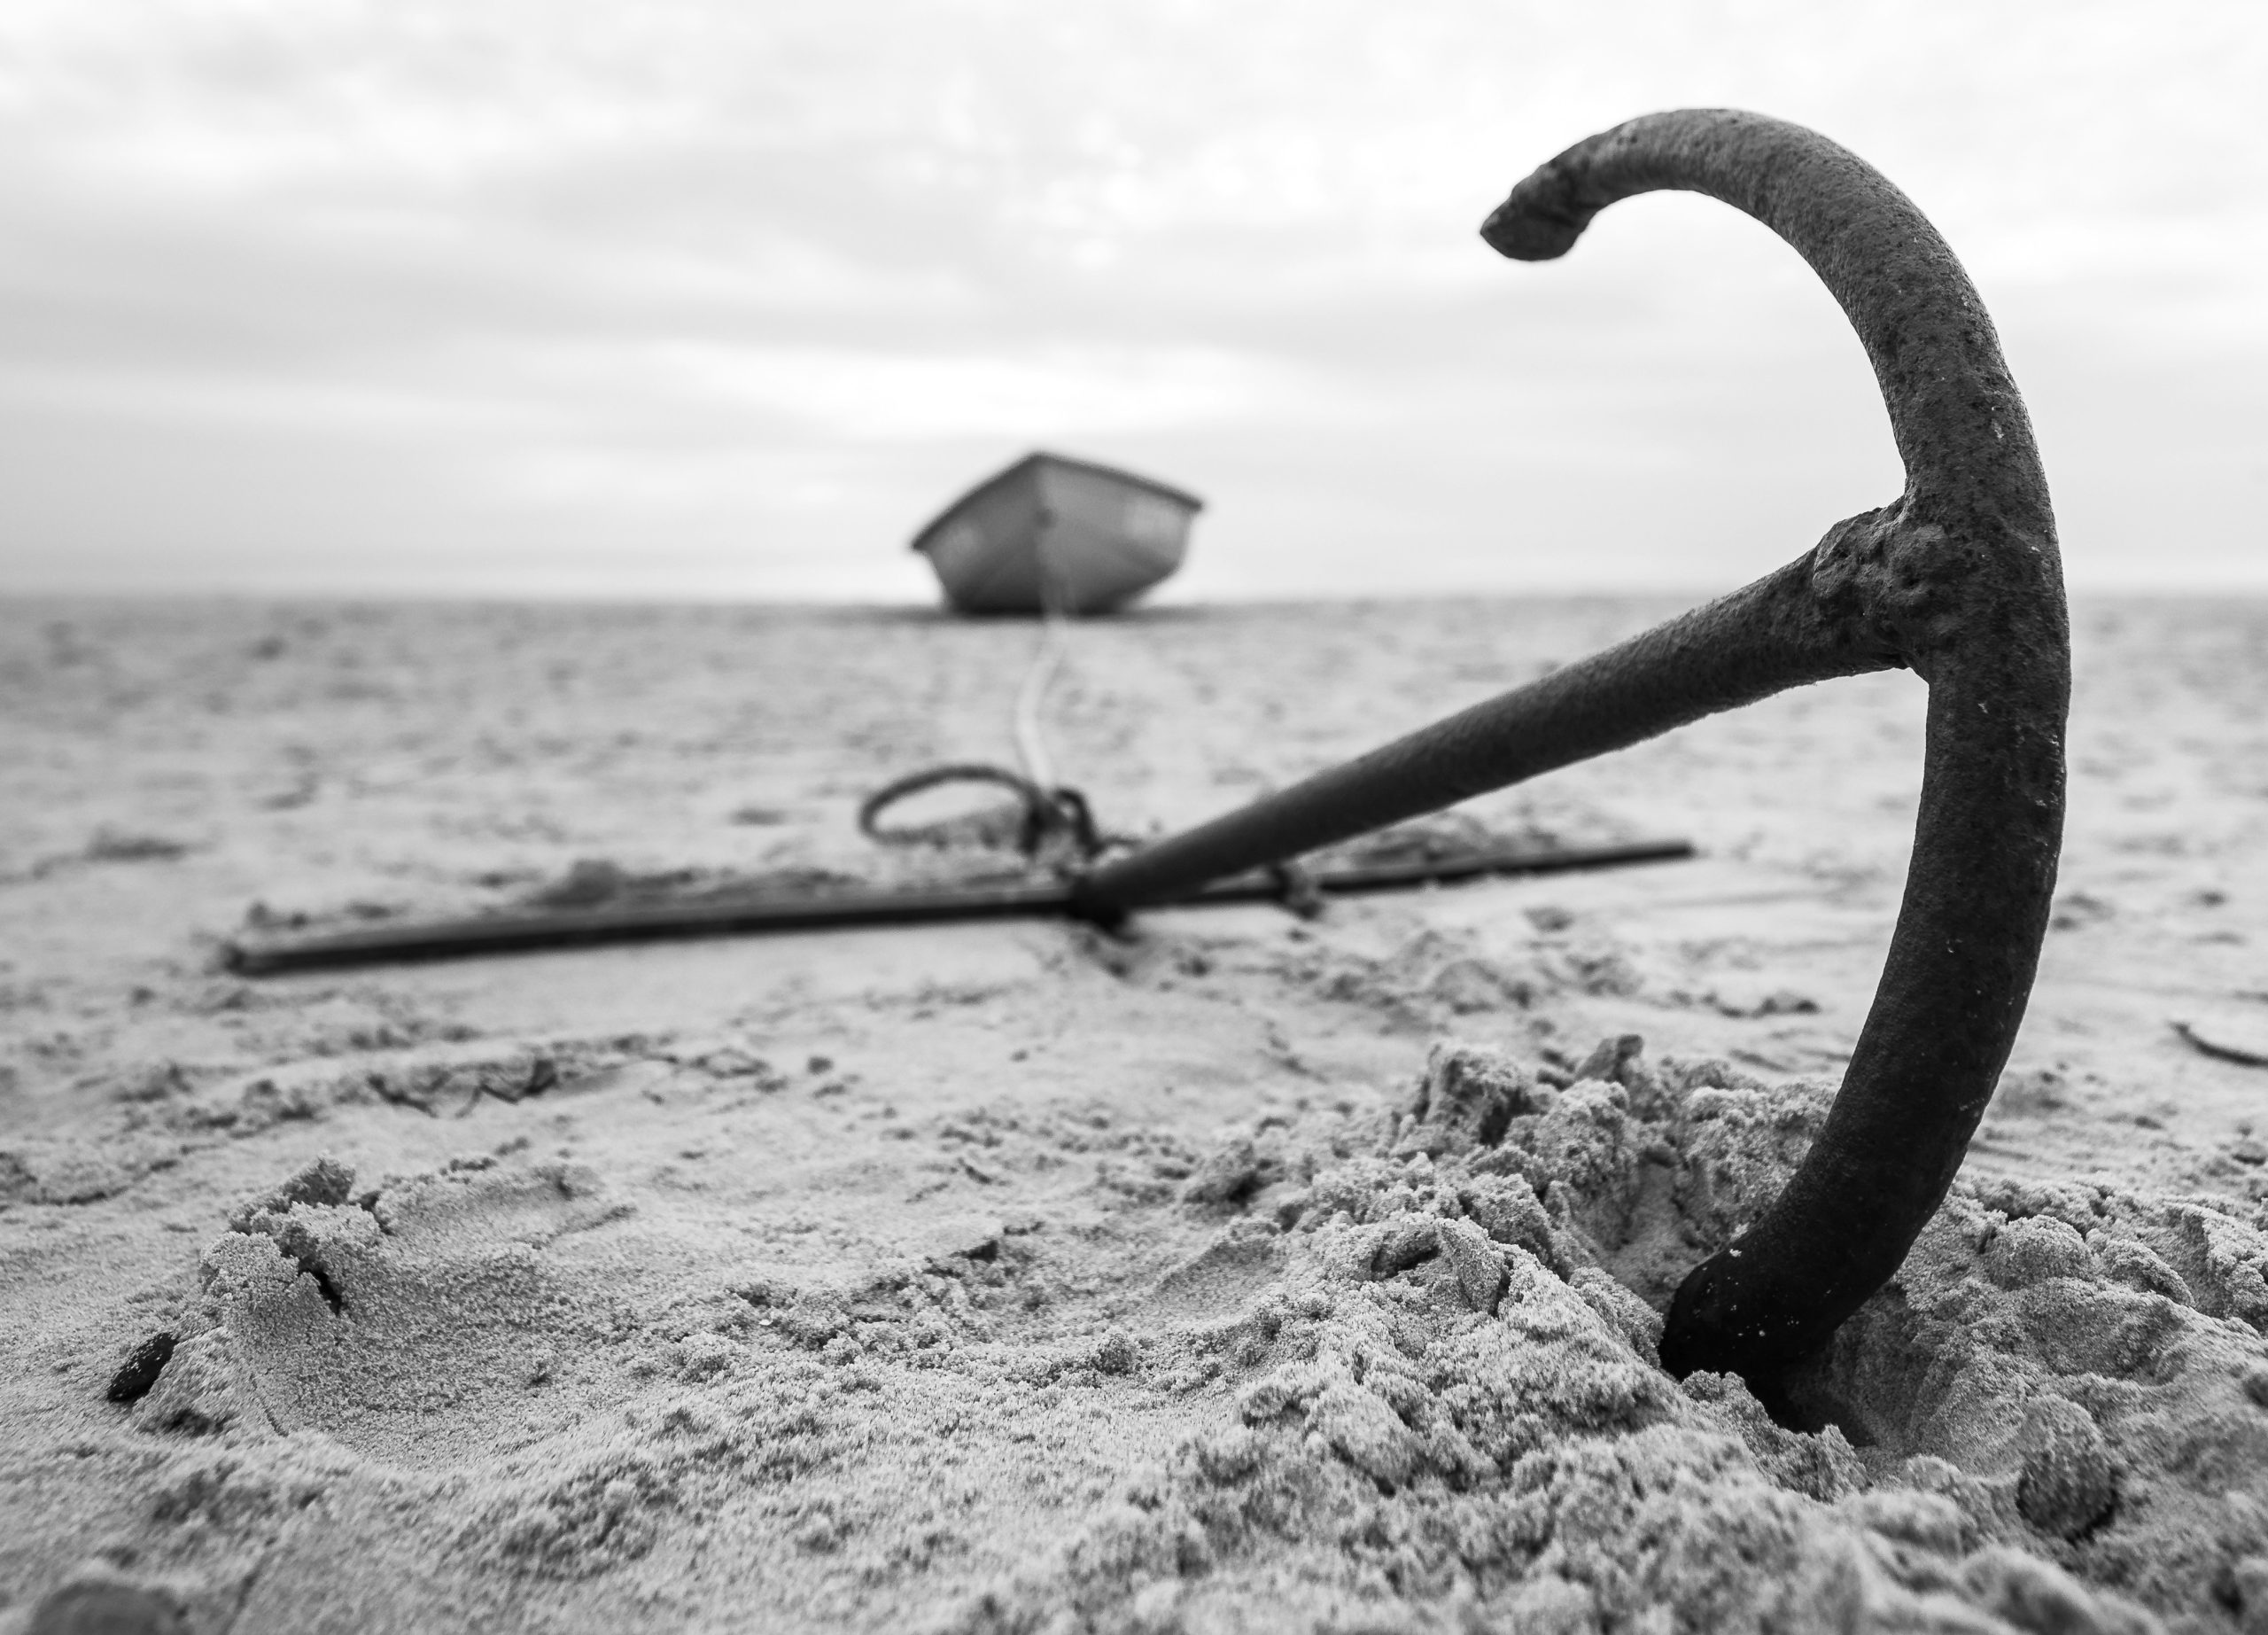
[(756, 913)]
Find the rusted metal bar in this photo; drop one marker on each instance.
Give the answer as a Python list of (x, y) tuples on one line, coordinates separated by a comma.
[(757, 915), (1958, 578)]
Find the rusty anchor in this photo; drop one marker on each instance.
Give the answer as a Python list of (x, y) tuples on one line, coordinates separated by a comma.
[(1958, 580)]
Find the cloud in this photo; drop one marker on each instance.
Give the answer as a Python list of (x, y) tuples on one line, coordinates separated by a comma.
[(502, 272), (1071, 393)]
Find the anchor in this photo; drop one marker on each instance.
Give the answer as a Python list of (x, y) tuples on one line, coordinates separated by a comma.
[(1957, 579)]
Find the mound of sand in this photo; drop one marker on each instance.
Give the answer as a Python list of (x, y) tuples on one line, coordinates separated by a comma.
[(1409, 1379)]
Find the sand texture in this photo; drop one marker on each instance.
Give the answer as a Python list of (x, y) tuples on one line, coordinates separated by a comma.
[(1244, 1272)]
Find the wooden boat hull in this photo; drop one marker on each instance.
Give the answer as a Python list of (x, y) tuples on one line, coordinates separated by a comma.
[(1055, 534)]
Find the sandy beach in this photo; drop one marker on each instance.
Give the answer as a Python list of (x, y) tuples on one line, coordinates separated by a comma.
[(1242, 1272)]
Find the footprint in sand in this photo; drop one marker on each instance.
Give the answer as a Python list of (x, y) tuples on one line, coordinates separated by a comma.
[(409, 1321), (104, 1609)]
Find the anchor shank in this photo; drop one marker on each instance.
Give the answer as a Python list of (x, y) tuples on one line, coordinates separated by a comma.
[(1772, 634)]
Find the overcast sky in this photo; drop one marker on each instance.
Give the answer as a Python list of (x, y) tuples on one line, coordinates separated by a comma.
[(726, 297)]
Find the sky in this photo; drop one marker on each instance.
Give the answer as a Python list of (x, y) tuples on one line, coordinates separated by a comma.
[(725, 298)]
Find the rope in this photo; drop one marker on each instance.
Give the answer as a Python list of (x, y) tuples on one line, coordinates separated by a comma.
[(1049, 813), (1031, 741), (1056, 816), (1058, 823)]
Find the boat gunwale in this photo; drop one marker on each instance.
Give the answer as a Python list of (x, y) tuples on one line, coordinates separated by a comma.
[(1033, 462)]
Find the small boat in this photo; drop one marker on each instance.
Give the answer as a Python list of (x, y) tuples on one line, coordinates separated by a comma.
[(1051, 535)]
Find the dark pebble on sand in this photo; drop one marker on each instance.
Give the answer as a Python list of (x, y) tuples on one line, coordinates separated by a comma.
[(140, 1371)]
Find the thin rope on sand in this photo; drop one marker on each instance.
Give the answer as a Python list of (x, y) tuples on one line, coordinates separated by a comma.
[(1031, 696)]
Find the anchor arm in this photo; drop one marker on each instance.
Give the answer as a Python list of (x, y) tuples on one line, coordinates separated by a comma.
[(1961, 578)]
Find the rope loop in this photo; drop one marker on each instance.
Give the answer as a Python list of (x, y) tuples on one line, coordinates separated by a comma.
[(1058, 820)]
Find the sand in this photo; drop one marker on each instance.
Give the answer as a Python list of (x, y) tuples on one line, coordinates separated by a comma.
[(1247, 1271)]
